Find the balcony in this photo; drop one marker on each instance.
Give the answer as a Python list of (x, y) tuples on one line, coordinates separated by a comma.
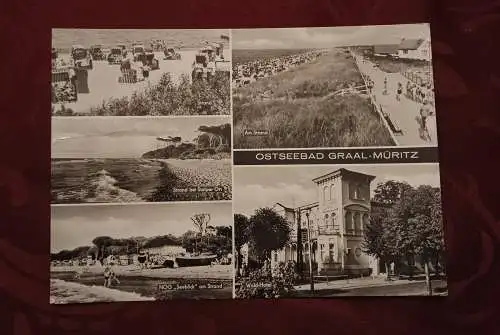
[(353, 232), (328, 230)]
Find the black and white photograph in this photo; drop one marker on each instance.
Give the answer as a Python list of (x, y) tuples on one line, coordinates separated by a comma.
[(131, 72), (336, 231), (146, 252), (360, 86), (136, 159)]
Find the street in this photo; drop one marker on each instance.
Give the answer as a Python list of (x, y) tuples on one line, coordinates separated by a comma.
[(371, 287), (403, 112)]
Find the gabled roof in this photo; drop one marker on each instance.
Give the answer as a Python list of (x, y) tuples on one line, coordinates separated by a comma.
[(386, 49), (411, 44)]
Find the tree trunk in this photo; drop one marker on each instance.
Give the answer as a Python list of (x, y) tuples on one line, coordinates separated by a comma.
[(387, 270), (427, 278), (238, 262)]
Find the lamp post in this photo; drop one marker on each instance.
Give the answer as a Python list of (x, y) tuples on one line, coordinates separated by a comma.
[(311, 279)]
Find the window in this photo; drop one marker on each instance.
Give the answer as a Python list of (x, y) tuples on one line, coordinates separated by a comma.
[(332, 194), (357, 194), (331, 252), (321, 251), (357, 223), (405, 52), (333, 220), (348, 220), (325, 193)]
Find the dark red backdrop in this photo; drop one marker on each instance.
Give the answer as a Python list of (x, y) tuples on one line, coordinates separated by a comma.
[(467, 74)]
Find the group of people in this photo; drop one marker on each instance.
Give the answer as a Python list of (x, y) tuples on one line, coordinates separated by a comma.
[(418, 93), (421, 94), (251, 71), (140, 67)]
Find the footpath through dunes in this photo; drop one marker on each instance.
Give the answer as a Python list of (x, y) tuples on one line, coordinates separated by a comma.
[(301, 108), (139, 180)]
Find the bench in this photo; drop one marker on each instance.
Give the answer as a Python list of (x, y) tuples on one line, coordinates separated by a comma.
[(393, 125)]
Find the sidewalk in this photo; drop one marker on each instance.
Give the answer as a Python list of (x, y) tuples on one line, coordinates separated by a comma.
[(353, 283), (404, 112)]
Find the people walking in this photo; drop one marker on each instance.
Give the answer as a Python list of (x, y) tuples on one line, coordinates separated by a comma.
[(399, 91), (424, 114)]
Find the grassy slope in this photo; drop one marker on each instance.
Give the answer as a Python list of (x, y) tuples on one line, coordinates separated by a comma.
[(308, 120)]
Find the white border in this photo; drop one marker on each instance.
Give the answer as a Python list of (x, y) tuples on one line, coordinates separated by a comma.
[(233, 263), (156, 203), (394, 147)]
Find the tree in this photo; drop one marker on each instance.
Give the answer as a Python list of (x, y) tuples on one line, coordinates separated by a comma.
[(416, 223), (389, 192), (226, 231), (378, 241), (102, 242), (200, 221), (241, 224), (223, 132), (269, 231)]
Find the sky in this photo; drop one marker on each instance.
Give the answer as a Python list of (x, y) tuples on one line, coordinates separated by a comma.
[(256, 187), (304, 38), (121, 137), (65, 38), (74, 226)]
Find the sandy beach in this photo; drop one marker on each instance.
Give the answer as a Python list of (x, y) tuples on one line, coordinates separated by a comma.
[(194, 272)]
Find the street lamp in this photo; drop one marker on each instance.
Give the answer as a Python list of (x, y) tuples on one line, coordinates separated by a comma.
[(311, 279)]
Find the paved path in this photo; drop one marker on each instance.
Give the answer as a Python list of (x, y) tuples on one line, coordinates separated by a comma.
[(370, 287), (404, 112)]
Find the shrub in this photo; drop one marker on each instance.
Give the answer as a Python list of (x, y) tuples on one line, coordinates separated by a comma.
[(166, 98), (223, 148), (263, 283)]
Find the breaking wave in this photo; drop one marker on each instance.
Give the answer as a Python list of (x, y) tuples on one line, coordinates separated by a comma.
[(106, 190), (63, 292)]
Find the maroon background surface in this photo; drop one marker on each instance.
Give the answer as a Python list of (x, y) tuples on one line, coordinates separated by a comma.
[(467, 75)]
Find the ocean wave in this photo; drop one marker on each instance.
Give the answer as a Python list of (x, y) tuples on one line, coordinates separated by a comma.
[(106, 190), (63, 292)]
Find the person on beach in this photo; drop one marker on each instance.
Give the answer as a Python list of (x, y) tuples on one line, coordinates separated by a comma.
[(113, 276), (107, 275), (142, 260)]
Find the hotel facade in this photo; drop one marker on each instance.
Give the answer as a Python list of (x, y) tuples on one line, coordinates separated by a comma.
[(328, 234)]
